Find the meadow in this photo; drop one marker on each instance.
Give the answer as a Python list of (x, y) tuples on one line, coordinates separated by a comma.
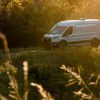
[(44, 68), (71, 74)]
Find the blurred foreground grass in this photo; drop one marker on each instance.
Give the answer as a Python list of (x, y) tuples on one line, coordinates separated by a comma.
[(44, 68)]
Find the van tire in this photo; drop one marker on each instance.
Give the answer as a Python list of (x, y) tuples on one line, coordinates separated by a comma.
[(63, 45), (95, 42)]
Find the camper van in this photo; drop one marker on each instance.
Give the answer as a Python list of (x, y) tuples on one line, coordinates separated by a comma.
[(73, 33)]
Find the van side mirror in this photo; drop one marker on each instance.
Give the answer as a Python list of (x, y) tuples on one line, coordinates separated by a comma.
[(65, 35)]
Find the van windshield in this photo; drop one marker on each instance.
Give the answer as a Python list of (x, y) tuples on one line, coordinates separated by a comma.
[(57, 30)]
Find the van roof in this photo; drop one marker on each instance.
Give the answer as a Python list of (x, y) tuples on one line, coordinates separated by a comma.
[(68, 22)]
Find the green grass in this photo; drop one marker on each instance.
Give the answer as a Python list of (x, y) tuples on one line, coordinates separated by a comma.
[(44, 68), (86, 57)]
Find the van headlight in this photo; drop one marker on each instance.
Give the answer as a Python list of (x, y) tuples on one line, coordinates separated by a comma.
[(47, 39)]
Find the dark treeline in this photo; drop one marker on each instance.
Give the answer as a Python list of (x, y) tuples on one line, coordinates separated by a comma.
[(26, 21)]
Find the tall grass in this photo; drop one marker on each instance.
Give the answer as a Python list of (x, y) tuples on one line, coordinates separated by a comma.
[(42, 67), (88, 96), (5, 43), (10, 70)]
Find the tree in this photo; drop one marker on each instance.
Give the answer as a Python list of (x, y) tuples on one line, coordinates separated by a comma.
[(26, 21)]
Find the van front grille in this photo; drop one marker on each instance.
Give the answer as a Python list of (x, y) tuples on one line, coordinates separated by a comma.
[(47, 40)]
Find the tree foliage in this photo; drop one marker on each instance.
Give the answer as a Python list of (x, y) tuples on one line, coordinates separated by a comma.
[(26, 21)]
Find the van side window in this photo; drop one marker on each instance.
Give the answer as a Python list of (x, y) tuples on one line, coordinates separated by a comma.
[(68, 31)]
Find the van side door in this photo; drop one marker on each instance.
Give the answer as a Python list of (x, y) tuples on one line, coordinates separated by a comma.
[(68, 34)]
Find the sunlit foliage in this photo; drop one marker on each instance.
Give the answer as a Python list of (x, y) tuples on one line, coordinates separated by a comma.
[(26, 21)]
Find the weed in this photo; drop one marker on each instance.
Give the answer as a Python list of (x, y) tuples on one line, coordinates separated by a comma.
[(88, 95)]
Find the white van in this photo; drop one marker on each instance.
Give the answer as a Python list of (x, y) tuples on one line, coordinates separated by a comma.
[(73, 33)]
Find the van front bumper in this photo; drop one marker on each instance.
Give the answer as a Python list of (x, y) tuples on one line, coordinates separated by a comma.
[(48, 43)]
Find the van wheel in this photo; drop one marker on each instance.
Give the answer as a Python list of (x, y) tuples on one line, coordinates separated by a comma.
[(95, 43), (63, 45)]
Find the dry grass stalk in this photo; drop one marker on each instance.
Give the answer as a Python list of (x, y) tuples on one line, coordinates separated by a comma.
[(14, 87), (81, 81), (5, 43), (83, 95), (96, 82), (25, 68), (45, 95), (14, 93), (2, 97)]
